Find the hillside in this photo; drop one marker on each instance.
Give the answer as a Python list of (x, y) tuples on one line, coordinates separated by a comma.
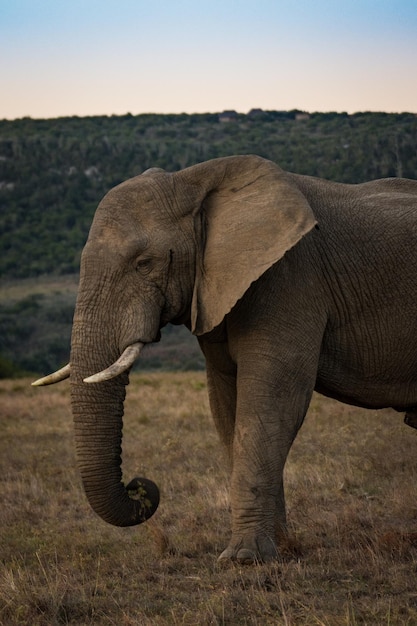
[(35, 331), (54, 172)]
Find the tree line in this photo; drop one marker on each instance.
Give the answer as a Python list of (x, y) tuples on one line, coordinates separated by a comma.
[(54, 172)]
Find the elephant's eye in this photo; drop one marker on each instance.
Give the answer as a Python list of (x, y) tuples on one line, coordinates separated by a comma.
[(143, 266)]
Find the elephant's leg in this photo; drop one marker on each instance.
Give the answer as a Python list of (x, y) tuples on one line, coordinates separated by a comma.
[(270, 410), (221, 378), (222, 397)]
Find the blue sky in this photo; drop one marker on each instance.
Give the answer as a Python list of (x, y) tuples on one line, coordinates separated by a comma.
[(104, 57)]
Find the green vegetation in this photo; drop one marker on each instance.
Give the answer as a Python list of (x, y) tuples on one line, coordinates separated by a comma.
[(351, 490), (35, 330), (54, 172)]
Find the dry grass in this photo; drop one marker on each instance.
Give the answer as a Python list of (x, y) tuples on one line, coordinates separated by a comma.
[(352, 500)]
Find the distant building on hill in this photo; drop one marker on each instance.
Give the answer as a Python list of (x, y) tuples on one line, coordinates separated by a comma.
[(302, 116), (256, 114), (228, 116)]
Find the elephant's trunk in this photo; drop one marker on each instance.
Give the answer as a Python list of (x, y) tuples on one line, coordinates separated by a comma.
[(98, 421)]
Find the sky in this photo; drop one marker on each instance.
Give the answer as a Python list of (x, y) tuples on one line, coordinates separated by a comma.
[(112, 57)]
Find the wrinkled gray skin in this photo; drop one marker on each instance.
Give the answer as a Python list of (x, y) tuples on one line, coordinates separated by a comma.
[(291, 284)]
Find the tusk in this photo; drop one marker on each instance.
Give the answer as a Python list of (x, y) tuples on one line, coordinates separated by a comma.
[(122, 364), (56, 377)]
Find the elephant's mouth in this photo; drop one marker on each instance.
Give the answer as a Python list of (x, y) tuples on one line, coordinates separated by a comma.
[(129, 355), (123, 363)]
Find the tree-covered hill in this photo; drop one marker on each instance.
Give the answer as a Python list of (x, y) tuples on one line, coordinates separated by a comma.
[(54, 172)]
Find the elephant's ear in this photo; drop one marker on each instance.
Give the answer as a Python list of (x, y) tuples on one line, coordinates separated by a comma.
[(252, 215)]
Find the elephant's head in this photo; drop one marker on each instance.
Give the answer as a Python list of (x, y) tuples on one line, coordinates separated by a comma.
[(165, 247)]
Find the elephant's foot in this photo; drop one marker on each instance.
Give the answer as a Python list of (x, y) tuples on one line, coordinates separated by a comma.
[(250, 549)]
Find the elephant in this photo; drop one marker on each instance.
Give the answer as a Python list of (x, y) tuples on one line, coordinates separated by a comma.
[(290, 283)]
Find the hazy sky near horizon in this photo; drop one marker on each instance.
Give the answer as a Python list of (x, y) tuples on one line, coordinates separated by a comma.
[(104, 57)]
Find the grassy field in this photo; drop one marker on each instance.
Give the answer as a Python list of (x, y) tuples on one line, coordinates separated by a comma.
[(352, 502)]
